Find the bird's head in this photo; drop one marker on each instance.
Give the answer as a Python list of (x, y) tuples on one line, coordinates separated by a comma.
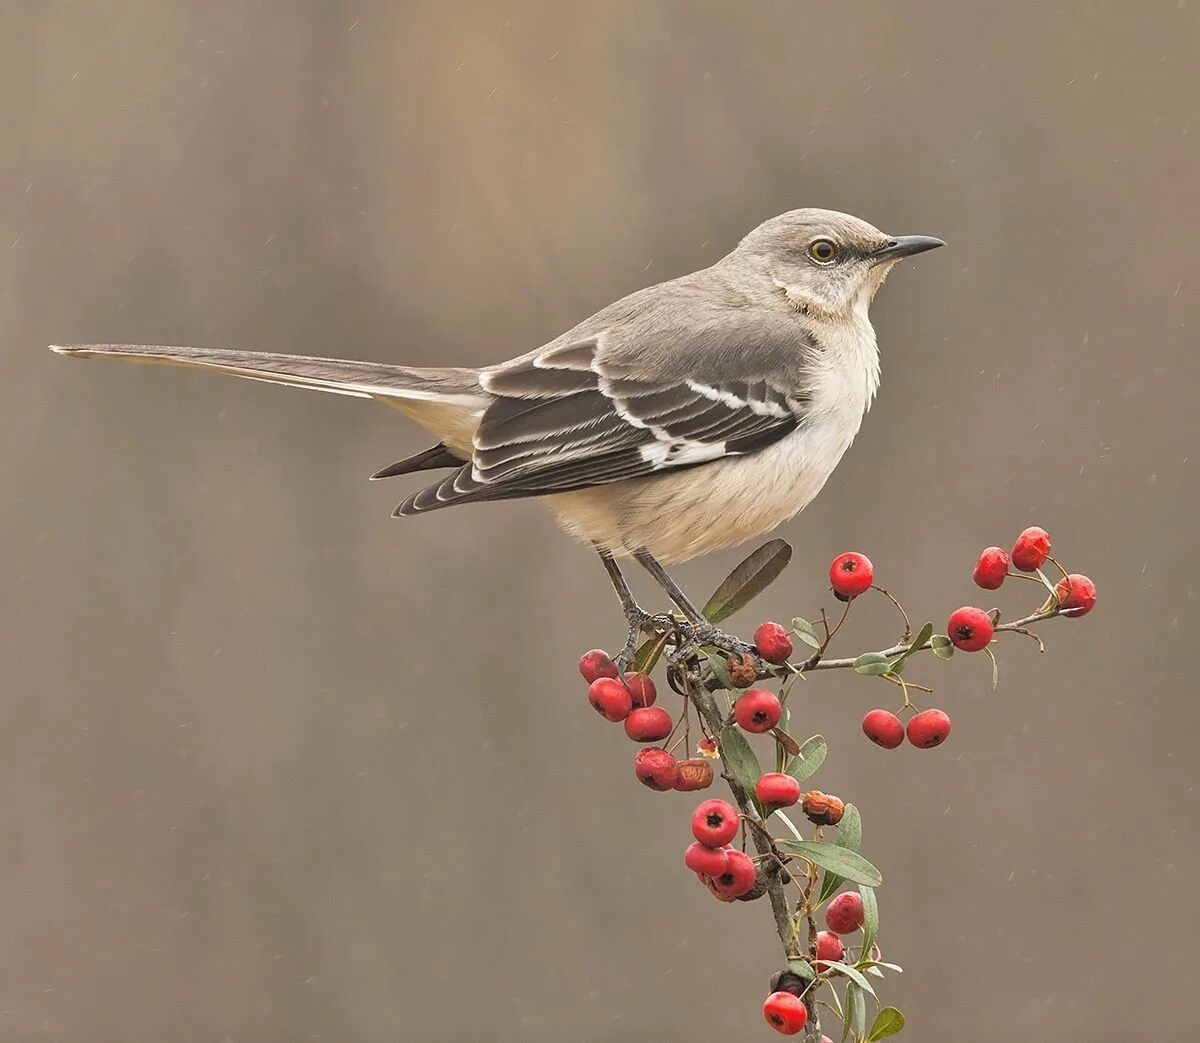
[(825, 263)]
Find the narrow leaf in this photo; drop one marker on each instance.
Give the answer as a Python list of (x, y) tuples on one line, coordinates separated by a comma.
[(648, 654), (802, 969), (748, 580), (914, 646), (854, 974), (995, 668), (790, 825), (888, 1022), (856, 1011), (847, 864), (739, 758), (850, 837), (786, 741), (872, 663), (942, 646), (811, 756), (806, 632), (870, 920)]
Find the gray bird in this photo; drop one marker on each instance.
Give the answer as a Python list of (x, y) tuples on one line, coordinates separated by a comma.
[(685, 418)]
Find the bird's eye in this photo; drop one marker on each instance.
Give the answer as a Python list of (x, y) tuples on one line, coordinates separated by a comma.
[(823, 251)]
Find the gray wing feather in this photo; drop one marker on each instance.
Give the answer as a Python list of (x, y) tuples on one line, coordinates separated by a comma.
[(572, 416)]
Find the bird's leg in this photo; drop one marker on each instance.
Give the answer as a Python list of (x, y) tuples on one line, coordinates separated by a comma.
[(699, 630), (640, 621)]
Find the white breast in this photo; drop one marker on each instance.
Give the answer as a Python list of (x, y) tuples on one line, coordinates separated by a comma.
[(694, 511)]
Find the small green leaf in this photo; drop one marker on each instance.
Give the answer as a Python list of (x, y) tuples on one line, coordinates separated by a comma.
[(870, 919), (856, 1012), (751, 577), (802, 969), (648, 654), (853, 973), (739, 758), (790, 825), (872, 663), (811, 756), (850, 837), (720, 669), (846, 864), (995, 668), (888, 1022), (806, 632), (914, 646), (942, 646)]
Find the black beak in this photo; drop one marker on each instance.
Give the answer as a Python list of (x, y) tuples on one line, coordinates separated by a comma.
[(905, 246)]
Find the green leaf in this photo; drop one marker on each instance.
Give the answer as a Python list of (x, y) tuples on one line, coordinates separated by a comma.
[(648, 654), (942, 646), (853, 973), (802, 969), (850, 837), (914, 646), (888, 1022), (748, 580), (870, 920), (720, 668), (811, 756), (873, 664), (995, 668), (790, 825), (840, 861), (856, 1012), (806, 632), (739, 757)]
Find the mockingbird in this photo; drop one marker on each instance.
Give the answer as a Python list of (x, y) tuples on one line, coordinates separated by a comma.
[(685, 418)]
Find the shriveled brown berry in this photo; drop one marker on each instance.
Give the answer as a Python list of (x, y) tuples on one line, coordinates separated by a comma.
[(822, 809), (742, 671), (694, 773)]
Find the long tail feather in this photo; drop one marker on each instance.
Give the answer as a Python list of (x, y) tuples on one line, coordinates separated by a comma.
[(458, 387), (431, 459)]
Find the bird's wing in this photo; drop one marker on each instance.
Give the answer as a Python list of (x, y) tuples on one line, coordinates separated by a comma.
[(589, 412)]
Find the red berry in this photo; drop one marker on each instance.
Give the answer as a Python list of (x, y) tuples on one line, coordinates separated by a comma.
[(648, 724), (773, 642), (714, 822), (596, 664), (844, 915), (694, 773), (883, 728), (992, 568), (610, 698), (708, 861), (655, 768), (1076, 592), (641, 688), (851, 574), (1031, 549), (777, 790), (757, 710), (928, 728), (829, 950), (708, 747), (785, 1013), (970, 629), (739, 875)]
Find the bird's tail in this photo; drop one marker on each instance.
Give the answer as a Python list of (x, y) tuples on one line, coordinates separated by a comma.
[(396, 385)]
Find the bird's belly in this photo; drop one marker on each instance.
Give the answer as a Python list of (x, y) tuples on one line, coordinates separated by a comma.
[(710, 507)]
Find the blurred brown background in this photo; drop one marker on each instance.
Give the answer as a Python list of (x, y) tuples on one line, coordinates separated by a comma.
[(277, 767)]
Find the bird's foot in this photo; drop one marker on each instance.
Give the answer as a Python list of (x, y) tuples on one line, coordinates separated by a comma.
[(642, 622), (704, 635)]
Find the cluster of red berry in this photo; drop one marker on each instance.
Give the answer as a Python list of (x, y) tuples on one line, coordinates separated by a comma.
[(784, 1009), (727, 871), (632, 701)]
